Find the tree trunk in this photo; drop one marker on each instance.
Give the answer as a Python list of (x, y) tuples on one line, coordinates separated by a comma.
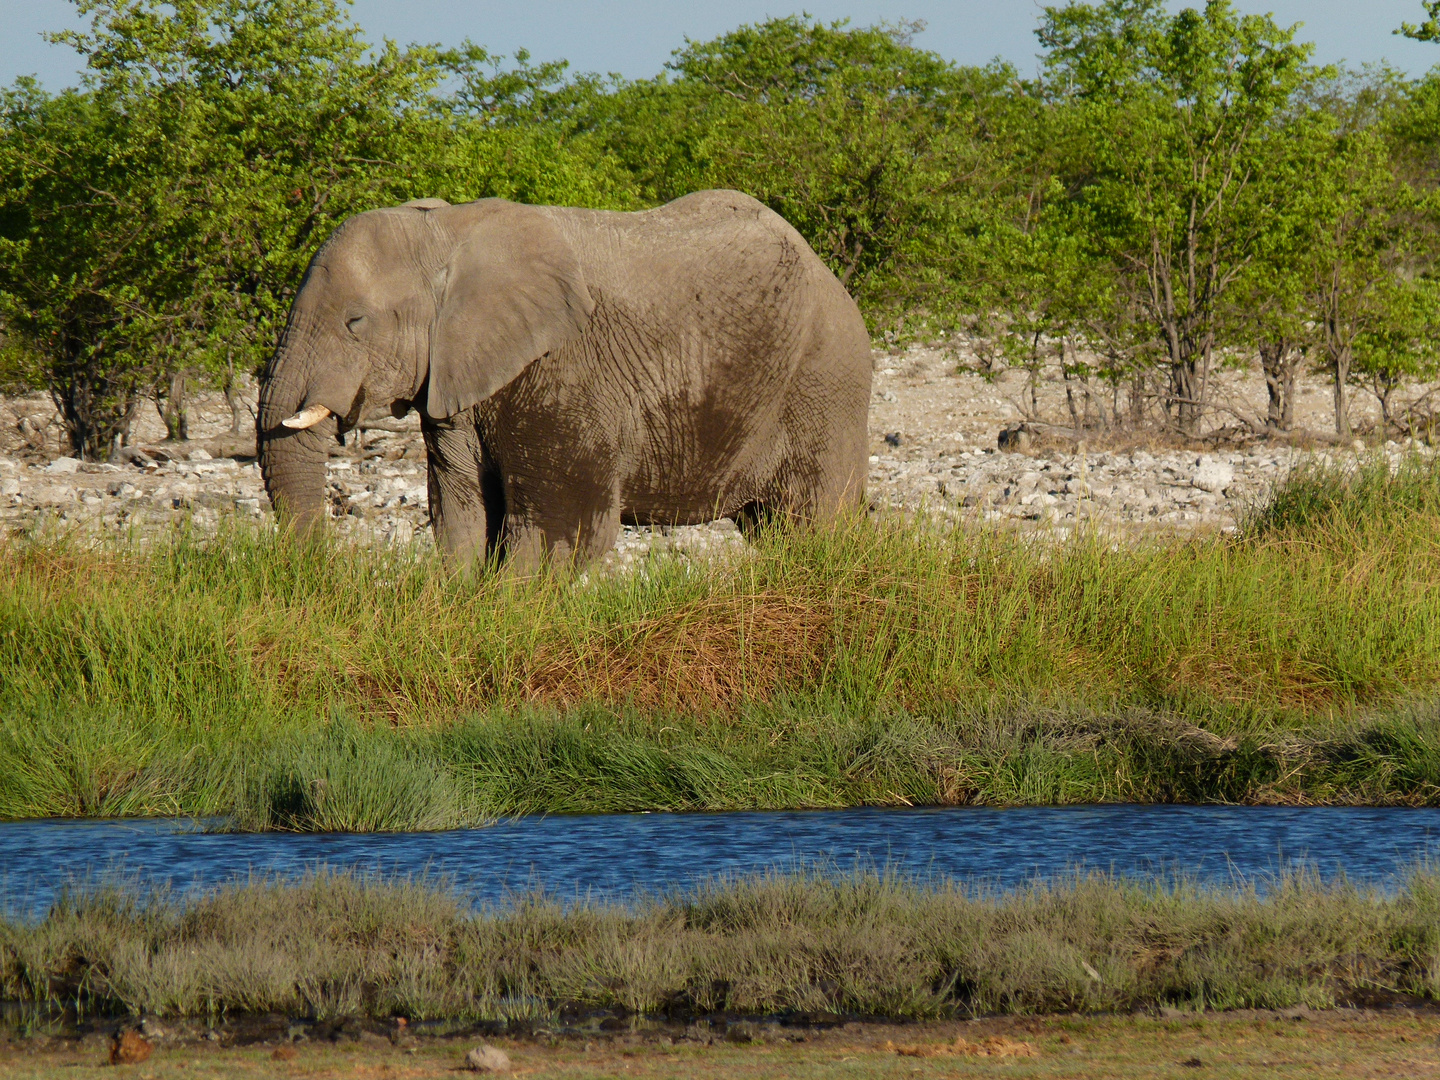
[(1187, 388), (96, 412), (1279, 359), (175, 414), (1341, 371), (1137, 399), (232, 395)]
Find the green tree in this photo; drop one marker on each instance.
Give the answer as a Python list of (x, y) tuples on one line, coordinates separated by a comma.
[(90, 223), (875, 150), (156, 222), (1171, 126), (1366, 246), (1429, 30)]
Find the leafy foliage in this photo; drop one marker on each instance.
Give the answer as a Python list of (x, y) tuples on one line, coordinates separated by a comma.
[(1175, 186)]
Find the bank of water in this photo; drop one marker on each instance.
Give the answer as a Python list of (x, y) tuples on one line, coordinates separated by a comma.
[(611, 856)]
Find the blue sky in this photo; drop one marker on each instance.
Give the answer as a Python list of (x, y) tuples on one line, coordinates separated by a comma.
[(635, 38)]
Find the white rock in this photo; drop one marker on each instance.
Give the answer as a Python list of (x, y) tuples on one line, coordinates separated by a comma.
[(1213, 476), (10, 486), (486, 1058), (62, 466), (200, 454)]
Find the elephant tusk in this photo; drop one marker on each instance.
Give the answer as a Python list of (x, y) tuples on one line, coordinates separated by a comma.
[(307, 417)]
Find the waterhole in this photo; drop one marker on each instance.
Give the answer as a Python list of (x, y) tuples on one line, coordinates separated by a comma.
[(614, 855)]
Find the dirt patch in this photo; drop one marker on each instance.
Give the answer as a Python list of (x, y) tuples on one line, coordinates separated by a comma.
[(1245, 1044)]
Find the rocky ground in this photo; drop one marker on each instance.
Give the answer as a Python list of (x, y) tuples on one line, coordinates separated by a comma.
[(934, 424)]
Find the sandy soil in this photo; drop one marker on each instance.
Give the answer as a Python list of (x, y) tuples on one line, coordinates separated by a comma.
[(1243, 1045)]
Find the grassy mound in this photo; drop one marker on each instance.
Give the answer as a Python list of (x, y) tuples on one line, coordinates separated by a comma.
[(860, 944), (319, 686)]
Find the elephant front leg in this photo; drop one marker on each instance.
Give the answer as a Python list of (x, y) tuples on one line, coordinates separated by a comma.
[(456, 488)]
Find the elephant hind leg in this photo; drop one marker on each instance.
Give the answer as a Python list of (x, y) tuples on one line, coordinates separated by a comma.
[(562, 532)]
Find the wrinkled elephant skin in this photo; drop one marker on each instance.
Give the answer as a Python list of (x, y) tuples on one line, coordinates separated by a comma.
[(577, 369)]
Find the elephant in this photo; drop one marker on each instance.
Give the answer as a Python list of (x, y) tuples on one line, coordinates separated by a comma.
[(576, 370)]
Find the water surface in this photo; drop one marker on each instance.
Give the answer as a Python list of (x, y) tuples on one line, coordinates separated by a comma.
[(615, 854)]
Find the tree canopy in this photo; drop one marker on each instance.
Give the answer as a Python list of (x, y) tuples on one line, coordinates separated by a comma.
[(1176, 190)]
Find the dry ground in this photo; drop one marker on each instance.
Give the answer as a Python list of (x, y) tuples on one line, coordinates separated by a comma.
[(933, 426), (1297, 1043)]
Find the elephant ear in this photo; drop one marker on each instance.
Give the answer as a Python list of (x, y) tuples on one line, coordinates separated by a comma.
[(513, 292)]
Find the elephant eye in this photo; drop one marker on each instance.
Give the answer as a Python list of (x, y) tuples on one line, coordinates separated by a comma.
[(353, 325)]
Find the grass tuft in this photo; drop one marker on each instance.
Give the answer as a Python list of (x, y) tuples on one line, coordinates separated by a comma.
[(1368, 493)]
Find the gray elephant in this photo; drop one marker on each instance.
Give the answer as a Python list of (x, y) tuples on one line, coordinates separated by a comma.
[(576, 370)]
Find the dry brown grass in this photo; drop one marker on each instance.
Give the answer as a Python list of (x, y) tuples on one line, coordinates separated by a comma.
[(996, 1046), (709, 654)]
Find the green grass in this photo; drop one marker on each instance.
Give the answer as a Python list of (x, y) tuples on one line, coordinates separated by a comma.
[(307, 686), (867, 944)]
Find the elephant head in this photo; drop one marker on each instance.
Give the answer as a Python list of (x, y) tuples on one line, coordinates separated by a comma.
[(425, 305)]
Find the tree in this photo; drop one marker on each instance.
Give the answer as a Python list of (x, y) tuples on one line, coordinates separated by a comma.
[(1429, 30), (90, 227), (1171, 125), (1364, 250), (156, 222), (873, 149)]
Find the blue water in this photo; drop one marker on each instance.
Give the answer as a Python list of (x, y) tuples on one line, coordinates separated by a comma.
[(615, 854)]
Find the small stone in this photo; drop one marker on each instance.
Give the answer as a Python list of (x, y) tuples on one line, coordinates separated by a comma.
[(129, 1048), (485, 1058), (62, 466), (199, 454), (9, 486), (1213, 476), (892, 439)]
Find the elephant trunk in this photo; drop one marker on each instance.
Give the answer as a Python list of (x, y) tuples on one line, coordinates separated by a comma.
[(291, 461)]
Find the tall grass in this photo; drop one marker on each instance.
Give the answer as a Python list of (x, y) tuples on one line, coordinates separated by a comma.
[(314, 685), (865, 943)]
